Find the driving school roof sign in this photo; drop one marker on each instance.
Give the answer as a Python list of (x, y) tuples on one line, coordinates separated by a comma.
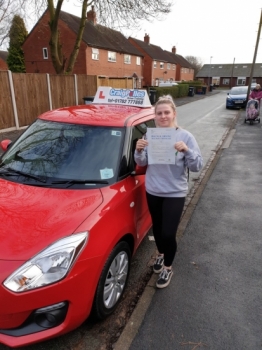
[(127, 97)]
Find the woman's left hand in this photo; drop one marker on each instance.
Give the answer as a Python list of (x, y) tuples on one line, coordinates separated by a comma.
[(180, 146)]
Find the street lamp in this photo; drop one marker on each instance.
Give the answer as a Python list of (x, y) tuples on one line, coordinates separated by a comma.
[(209, 83)]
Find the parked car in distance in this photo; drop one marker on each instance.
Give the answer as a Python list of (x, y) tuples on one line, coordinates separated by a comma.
[(167, 84), (73, 212), (237, 97), (253, 85)]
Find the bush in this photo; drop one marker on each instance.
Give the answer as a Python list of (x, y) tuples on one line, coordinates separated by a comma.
[(180, 90)]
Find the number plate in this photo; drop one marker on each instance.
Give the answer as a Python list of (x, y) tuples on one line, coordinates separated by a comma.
[(240, 101)]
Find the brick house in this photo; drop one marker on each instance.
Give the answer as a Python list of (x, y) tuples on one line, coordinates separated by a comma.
[(228, 75), (184, 71), (160, 65), (103, 51), (3, 58)]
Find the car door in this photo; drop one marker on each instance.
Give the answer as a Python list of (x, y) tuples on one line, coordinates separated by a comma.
[(142, 217)]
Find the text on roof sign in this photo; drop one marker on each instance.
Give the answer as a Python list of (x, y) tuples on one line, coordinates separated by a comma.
[(128, 97)]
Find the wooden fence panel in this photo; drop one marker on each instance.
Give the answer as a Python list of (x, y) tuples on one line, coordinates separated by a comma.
[(7, 119), (117, 83), (87, 86), (62, 91), (31, 95)]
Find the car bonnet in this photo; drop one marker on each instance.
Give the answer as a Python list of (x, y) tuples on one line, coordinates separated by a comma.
[(34, 217), (239, 96)]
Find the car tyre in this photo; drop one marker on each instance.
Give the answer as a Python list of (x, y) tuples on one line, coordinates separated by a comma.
[(112, 281)]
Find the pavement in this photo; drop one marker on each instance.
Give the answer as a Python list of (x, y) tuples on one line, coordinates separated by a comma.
[(214, 298)]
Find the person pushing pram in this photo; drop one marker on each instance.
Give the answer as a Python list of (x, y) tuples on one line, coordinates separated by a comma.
[(253, 105), (256, 94)]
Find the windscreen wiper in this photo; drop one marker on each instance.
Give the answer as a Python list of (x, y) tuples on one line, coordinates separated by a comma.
[(13, 172), (76, 182)]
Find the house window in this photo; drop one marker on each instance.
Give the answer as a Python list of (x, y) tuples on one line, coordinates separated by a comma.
[(225, 81), (127, 59), (168, 66), (155, 64), (138, 61), (174, 67), (95, 54), (111, 56), (45, 53), (241, 81), (161, 65)]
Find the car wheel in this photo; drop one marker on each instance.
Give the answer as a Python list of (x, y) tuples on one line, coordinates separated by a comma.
[(112, 281)]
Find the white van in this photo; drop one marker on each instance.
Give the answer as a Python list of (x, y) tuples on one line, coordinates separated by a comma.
[(167, 84)]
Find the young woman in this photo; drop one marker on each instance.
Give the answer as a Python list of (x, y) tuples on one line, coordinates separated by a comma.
[(167, 186)]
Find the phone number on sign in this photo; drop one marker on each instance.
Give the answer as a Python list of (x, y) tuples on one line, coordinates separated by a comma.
[(130, 102)]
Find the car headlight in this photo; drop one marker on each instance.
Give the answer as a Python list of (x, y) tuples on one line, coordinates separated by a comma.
[(49, 266), (229, 97)]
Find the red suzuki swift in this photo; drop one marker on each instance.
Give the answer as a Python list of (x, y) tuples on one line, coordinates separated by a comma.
[(73, 212)]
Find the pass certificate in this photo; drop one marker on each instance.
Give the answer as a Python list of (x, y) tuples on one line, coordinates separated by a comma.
[(161, 143)]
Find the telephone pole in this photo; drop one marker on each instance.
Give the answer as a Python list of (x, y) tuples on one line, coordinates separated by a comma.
[(255, 55), (232, 73)]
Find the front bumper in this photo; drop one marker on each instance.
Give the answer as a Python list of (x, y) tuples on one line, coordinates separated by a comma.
[(236, 103), (41, 314)]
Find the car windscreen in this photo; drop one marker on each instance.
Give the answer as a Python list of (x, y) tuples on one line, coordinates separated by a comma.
[(238, 91), (57, 153)]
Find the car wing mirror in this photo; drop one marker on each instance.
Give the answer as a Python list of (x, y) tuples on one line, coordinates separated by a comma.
[(5, 144), (139, 170)]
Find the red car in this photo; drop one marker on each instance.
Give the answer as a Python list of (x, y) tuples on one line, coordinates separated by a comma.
[(73, 212)]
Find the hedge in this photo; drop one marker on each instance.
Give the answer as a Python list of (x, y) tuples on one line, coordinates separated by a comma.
[(180, 90)]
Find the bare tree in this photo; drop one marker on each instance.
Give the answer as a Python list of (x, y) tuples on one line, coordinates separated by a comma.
[(6, 14), (195, 62), (112, 13), (8, 9)]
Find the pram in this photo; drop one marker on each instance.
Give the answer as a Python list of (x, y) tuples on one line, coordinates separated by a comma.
[(252, 112)]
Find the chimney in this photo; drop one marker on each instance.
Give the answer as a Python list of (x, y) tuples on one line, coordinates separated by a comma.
[(91, 15), (174, 49), (147, 39)]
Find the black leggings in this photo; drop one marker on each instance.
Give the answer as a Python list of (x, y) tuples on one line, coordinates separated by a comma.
[(165, 213)]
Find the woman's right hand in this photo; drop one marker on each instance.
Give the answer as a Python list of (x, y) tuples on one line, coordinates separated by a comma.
[(141, 144)]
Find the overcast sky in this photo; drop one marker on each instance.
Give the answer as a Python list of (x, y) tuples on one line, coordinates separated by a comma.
[(223, 29)]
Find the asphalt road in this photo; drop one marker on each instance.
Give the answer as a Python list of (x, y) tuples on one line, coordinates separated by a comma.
[(198, 118)]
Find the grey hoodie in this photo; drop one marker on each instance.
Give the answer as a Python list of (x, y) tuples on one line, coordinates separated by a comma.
[(170, 180)]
